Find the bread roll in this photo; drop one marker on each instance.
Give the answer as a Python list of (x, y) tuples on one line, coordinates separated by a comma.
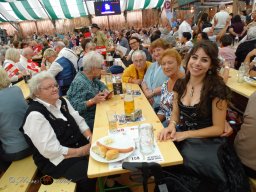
[(112, 154), (100, 150)]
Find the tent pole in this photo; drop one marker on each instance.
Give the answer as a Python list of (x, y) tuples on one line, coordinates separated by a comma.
[(46, 13), (89, 15), (108, 22), (10, 22)]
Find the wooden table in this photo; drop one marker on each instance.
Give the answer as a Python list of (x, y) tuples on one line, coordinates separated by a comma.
[(243, 89), (169, 151), (24, 88)]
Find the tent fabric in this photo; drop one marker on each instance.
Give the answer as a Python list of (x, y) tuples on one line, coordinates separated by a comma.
[(20, 10)]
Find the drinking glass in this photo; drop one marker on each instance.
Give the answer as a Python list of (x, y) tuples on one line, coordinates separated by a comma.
[(129, 106), (128, 88), (109, 82), (146, 138), (112, 121)]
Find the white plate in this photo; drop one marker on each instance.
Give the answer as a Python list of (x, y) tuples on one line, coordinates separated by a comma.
[(250, 81), (119, 141)]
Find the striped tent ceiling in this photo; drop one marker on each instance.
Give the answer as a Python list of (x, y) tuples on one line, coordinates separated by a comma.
[(20, 10)]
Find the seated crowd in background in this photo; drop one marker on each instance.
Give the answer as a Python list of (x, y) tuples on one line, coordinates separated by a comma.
[(191, 105)]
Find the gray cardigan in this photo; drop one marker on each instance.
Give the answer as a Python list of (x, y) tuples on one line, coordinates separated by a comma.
[(12, 111)]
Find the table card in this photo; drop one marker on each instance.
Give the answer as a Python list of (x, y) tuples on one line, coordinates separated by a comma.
[(123, 120), (136, 156)]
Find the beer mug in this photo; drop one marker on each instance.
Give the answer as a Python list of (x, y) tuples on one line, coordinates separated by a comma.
[(112, 121), (109, 82), (129, 107), (146, 138)]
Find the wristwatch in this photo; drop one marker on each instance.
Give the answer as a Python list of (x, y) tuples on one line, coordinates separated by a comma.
[(88, 138)]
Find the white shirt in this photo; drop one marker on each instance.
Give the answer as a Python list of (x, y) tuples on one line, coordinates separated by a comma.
[(189, 44), (55, 67), (41, 133), (70, 55), (23, 63), (221, 18), (184, 27)]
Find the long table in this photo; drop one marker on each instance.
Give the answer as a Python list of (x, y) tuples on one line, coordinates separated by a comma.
[(243, 89), (24, 88), (170, 153)]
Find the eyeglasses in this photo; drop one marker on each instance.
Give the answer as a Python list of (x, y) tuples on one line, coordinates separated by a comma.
[(139, 61), (132, 43), (50, 87)]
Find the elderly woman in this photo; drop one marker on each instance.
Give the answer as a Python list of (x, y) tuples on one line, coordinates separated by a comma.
[(12, 57), (86, 89), (136, 71), (170, 62), (58, 134), (154, 77), (13, 145)]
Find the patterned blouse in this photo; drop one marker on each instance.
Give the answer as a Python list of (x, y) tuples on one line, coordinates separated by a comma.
[(166, 101), (81, 90)]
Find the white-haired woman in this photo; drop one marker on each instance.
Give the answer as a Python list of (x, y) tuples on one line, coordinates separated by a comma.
[(12, 57), (136, 71), (58, 134), (87, 90), (13, 145)]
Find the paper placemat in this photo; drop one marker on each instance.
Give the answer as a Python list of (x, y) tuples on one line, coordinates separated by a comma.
[(136, 156)]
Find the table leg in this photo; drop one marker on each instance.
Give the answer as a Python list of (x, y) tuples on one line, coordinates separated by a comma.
[(101, 184)]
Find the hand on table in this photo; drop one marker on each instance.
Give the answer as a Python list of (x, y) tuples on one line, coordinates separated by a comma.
[(167, 133), (99, 97), (180, 136), (84, 150)]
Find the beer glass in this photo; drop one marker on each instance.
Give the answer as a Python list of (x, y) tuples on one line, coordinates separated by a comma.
[(109, 82), (112, 121), (146, 138), (128, 104)]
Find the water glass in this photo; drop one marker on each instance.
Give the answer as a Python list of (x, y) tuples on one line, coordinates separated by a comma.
[(128, 88), (146, 138)]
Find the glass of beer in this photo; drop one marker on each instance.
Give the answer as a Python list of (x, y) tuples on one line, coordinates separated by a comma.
[(128, 104), (112, 121), (109, 82)]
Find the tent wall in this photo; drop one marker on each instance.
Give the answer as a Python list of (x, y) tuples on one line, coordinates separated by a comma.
[(137, 19)]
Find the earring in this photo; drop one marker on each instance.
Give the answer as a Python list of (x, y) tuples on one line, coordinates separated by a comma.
[(209, 72)]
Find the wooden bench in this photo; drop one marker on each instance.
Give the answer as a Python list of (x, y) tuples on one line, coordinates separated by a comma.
[(18, 176), (21, 174), (253, 184), (59, 185)]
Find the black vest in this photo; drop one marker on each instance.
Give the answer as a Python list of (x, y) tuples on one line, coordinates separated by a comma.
[(67, 132)]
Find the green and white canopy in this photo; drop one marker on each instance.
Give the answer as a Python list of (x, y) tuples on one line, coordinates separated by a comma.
[(19, 10)]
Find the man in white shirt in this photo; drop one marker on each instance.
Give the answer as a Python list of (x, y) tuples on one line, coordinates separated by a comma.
[(63, 51), (26, 63), (185, 26), (61, 68), (220, 19)]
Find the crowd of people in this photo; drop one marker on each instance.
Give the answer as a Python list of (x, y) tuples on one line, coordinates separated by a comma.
[(182, 70)]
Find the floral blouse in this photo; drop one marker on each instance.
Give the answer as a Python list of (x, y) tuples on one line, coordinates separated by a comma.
[(166, 101)]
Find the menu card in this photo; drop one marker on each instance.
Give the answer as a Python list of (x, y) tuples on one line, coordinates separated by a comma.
[(136, 156)]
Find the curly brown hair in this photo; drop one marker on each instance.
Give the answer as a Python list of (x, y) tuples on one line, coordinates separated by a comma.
[(213, 85)]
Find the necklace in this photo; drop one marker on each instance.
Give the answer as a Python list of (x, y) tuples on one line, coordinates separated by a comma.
[(192, 91)]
